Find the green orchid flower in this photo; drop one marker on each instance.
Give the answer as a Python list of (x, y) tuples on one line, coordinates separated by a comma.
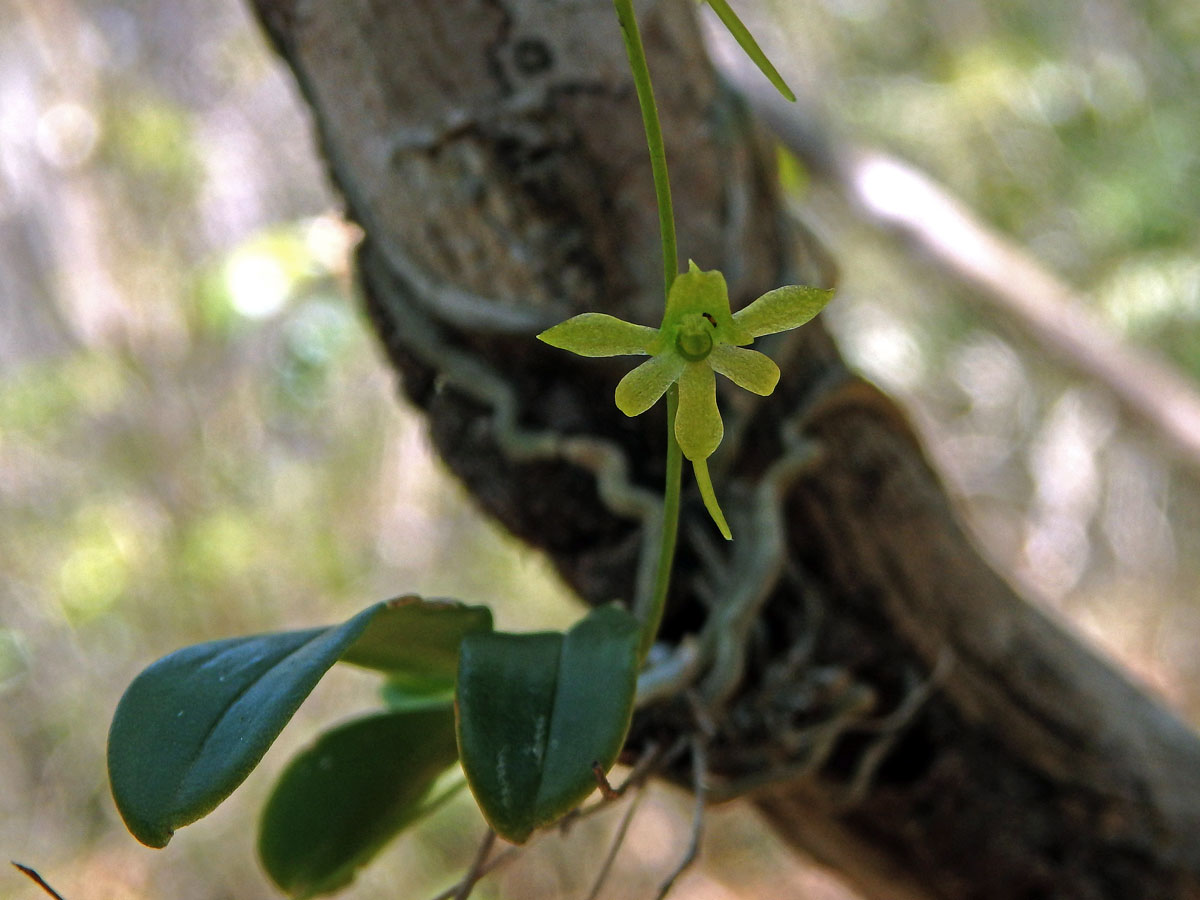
[(698, 337)]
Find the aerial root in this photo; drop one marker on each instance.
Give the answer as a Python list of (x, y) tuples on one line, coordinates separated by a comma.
[(891, 727)]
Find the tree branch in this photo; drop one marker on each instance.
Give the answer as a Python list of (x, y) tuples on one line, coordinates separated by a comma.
[(492, 153)]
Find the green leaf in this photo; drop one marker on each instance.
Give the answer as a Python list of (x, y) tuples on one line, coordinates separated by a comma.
[(783, 308), (416, 643), (535, 711), (411, 694), (746, 40), (341, 800), (417, 646), (598, 334), (193, 725)]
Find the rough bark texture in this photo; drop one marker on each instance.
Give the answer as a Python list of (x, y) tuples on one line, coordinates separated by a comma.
[(903, 715)]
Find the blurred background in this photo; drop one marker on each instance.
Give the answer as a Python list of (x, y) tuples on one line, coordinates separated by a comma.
[(199, 438)]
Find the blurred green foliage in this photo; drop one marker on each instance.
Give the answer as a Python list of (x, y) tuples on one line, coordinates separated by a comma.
[(1069, 125)]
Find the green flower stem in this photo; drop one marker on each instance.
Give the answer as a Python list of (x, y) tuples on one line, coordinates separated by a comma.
[(651, 615), (654, 138)]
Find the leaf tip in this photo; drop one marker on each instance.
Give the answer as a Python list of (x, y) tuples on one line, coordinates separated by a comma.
[(154, 838)]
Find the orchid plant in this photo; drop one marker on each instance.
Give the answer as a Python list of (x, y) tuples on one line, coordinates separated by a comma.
[(535, 720)]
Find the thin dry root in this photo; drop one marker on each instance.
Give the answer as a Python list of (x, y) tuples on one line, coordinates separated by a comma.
[(700, 787), (891, 726), (618, 840), (39, 881)]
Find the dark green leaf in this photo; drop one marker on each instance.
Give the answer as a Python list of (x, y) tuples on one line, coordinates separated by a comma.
[(417, 641), (341, 800), (535, 711), (193, 725), (408, 693)]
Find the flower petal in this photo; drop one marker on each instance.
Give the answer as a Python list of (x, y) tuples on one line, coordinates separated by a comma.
[(781, 309), (597, 334), (698, 426), (641, 388), (747, 369), (704, 482)]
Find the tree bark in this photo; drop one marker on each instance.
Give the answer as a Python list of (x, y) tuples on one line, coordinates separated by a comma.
[(896, 710)]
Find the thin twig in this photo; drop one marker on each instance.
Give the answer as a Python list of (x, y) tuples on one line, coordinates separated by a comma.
[(477, 866), (646, 765), (700, 788), (500, 859), (617, 841), (39, 881), (650, 761), (607, 791)]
